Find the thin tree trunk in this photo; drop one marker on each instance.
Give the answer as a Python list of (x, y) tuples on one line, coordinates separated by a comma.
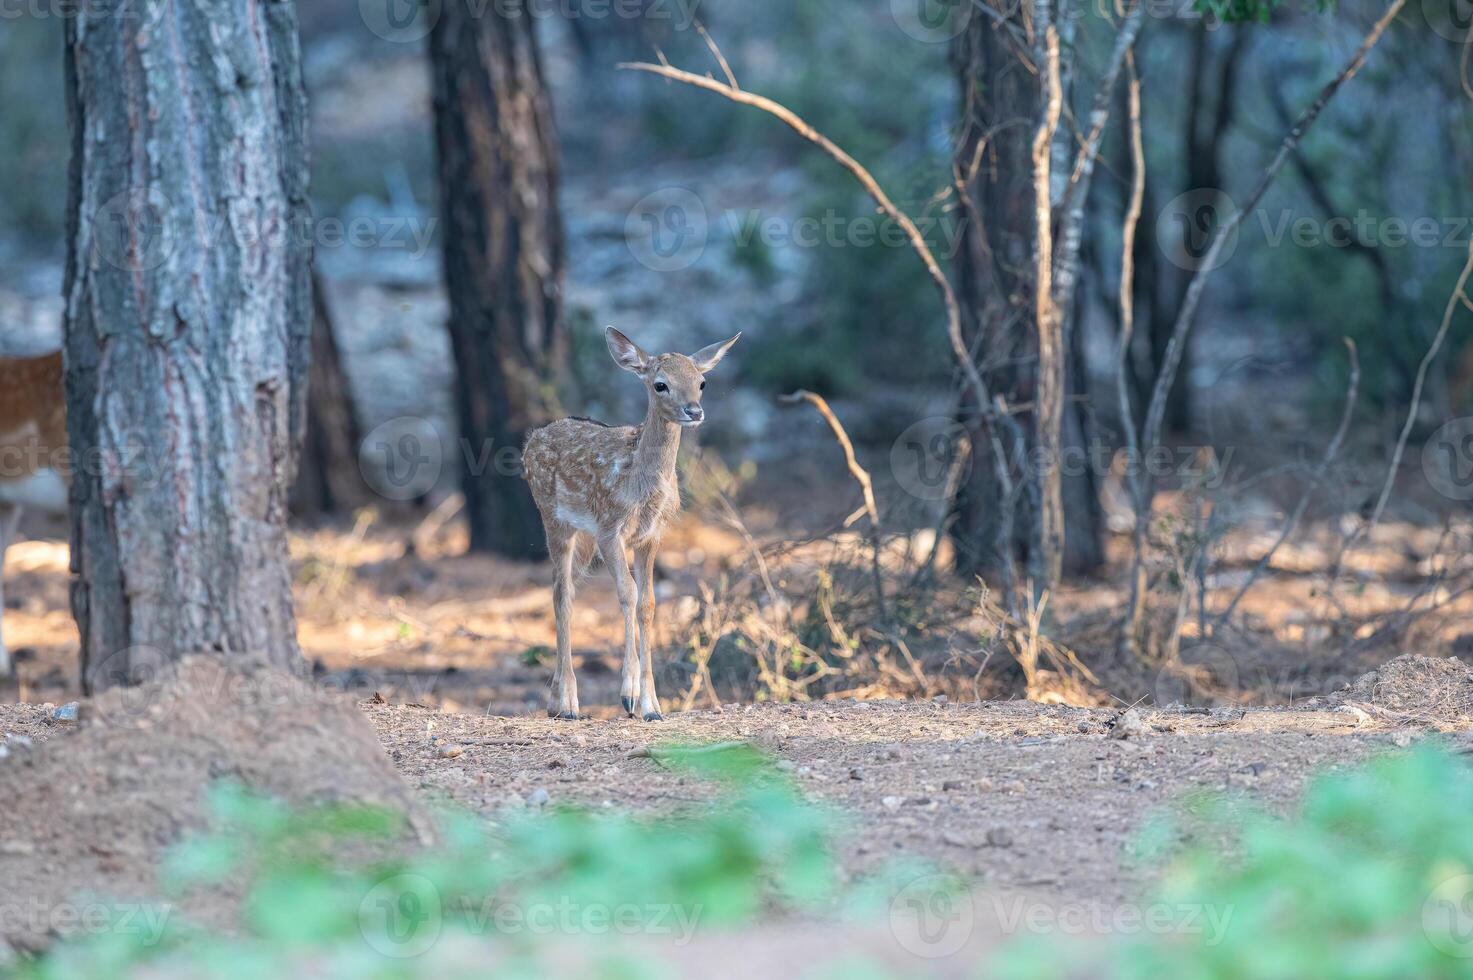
[(187, 329), (503, 257), (328, 478)]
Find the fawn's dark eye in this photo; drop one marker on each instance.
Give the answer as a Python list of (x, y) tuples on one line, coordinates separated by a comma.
[(703, 386), (661, 386)]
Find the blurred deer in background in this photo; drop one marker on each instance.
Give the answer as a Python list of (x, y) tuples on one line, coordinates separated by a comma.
[(614, 488), (33, 442)]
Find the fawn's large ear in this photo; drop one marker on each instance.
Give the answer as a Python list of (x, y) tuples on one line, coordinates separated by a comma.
[(708, 357), (626, 353)]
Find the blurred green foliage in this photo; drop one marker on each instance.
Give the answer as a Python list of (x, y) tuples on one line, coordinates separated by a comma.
[(761, 849), (1371, 879)]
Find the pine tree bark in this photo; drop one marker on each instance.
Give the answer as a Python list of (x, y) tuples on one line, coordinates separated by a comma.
[(503, 257), (187, 325)]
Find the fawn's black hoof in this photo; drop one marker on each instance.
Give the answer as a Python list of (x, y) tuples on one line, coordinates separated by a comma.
[(563, 715), (628, 704), (653, 716)]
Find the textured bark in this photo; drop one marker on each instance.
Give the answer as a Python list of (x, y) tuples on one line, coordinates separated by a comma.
[(994, 277), (328, 478), (187, 320), (503, 256), (997, 283)]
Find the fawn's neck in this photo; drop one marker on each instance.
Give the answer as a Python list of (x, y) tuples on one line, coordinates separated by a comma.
[(657, 446)]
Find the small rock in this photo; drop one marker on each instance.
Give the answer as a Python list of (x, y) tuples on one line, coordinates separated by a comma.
[(18, 741), (890, 754), (515, 800), (952, 785), (16, 848), (1401, 738), (999, 837), (66, 714), (638, 752), (952, 840), (449, 751), (559, 762), (538, 797), (984, 784), (1129, 724), (787, 765), (892, 802), (856, 774), (940, 699)]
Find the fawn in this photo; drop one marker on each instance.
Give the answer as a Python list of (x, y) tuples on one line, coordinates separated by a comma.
[(614, 488), (33, 445)]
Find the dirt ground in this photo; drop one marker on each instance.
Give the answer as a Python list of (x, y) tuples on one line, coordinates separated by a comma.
[(445, 658), (1039, 802)]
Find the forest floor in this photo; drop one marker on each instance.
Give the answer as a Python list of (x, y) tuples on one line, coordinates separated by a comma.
[(1039, 807), (444, 656)]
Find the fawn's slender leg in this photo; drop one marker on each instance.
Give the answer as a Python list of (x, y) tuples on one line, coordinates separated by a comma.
[(564, 703), (612, 549), (629, 676), (9, 520), (644, 576)]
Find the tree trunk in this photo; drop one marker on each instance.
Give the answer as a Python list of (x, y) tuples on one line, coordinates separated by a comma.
[(503, 257), (1204, 140), (328, 478), (995, 283), (187, 328)]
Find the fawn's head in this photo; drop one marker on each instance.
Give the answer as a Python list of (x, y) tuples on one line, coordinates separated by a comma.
[(674, 381)]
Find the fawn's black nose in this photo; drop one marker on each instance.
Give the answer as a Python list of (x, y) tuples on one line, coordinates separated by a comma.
[(695, 412)]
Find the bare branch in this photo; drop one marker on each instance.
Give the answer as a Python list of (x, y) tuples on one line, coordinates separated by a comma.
[(860, 474), (1050, 387), (1460, 295), (868, 182), (1072, 206), (1185, 317), (1317, 478), (716, 52), (1135, 608)]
